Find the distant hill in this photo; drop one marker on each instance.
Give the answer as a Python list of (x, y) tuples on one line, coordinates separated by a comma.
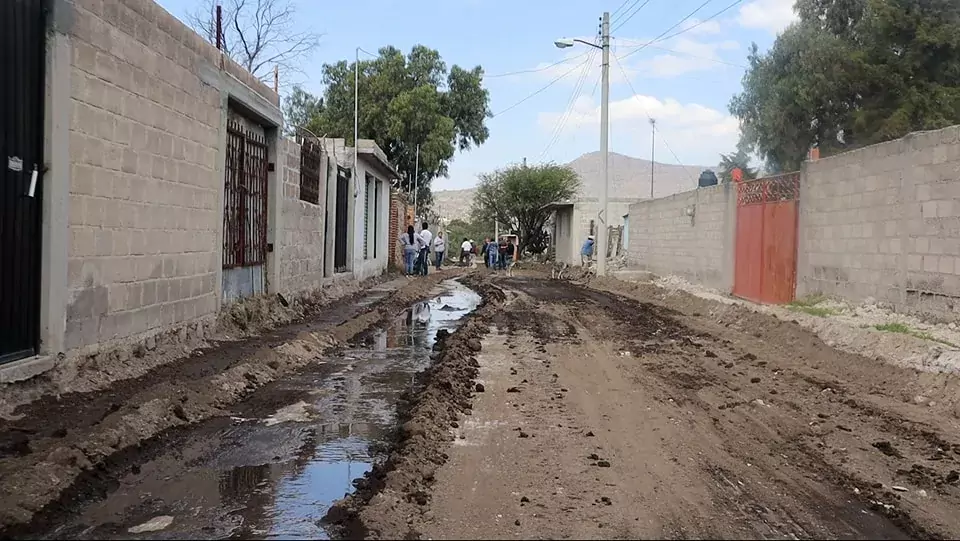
[(629, 177)]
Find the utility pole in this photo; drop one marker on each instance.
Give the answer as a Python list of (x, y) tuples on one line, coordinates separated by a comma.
[(653, 148), (356, 121), (604, 46), (416, 184), (604, 134), (524, 161)]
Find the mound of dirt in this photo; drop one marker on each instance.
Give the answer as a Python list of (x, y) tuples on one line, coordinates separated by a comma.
[(400, 486)]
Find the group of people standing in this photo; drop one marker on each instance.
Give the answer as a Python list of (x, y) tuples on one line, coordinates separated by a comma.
[(417, 248), (499, 254)]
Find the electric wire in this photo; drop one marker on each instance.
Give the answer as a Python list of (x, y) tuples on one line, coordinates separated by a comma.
[(535, 70), (574, 96), (543, 88), (689, 28)]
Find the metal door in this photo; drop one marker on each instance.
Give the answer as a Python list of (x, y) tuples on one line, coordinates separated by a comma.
[(340, 239), (22, 46), (765, 268)]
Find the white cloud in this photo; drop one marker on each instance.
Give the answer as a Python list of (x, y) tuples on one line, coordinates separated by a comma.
[(685, 56), (770, 15), (695, 132)]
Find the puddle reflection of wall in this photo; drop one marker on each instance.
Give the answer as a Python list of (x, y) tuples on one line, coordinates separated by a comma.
[(249, 489)]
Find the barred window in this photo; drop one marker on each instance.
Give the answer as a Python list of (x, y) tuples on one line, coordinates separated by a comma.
[(310, 172)]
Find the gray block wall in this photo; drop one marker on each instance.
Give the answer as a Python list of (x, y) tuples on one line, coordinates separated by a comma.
[(688, 234), (884, 222)]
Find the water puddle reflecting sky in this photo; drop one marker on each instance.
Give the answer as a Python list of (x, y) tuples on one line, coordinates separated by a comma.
[(274, 477)]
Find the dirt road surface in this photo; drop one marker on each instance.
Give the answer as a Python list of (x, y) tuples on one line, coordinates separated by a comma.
[(545, 410), (606, 416)]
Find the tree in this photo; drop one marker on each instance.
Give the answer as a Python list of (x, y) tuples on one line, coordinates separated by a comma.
[(299, 109), (851, 73), (257, 34), (729, 162), (519, 197), (406, 101)]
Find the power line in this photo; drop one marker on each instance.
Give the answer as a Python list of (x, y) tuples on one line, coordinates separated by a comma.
[(546, 86), (535, 70), (570, 105), (625, 2), (675, 34), (647, 113), (625, 21), (691, 55)]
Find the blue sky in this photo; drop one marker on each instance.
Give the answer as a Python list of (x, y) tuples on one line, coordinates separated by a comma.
[(684, 82)]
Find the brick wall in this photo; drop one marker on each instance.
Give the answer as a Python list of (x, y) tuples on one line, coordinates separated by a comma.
[(884, 222), (301, 255), (665, 239), (144, 184), (401, 215)]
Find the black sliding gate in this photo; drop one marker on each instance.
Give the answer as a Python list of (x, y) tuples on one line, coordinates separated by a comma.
[(22, 46)]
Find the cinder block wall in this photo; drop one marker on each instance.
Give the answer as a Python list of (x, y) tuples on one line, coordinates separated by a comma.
[(400, 216), (301, 255), (884, 222), (665, 239), (144, 205)]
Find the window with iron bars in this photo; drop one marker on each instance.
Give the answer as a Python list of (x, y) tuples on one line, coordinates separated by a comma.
[(310, 165)]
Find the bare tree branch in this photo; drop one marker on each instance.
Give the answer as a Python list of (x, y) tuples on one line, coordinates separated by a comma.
[(258, 34)]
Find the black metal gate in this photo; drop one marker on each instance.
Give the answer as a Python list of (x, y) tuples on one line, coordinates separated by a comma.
[(340, 246), (22, 46), (245, 199)]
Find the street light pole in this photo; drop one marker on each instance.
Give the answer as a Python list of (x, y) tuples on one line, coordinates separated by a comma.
[(604, 134), (416, 183), (653, 148), (356, 120), (604, 131)]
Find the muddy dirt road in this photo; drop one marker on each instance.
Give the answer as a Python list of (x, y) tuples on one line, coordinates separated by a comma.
[(598, 415)]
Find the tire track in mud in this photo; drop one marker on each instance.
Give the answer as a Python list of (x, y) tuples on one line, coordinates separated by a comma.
[(400, 486), (56, 473)]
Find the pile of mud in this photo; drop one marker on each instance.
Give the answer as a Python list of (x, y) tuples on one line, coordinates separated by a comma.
[(393, 494)]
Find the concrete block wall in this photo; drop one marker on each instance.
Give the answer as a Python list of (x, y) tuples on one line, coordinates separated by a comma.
[(145, 175), (302, 240), (401, 215), (665, 239), (884, 222)]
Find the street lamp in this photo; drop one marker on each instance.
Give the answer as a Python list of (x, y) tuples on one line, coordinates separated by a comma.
[(604, 46)]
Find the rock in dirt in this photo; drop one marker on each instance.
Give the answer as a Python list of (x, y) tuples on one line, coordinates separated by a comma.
[(480, 388), (593, 456), (523, 434), (754, 380), (153, 525), (524, 499), (710, 354), (589, 434), (513, 390), (887, 448), (603, 463), (899, 488)]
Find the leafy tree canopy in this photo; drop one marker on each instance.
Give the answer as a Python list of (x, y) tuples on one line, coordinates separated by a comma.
[(851, 73), (519, 197), (729, 162), (405, 101)]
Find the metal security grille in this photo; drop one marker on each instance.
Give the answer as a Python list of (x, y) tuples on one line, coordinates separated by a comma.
[(245, 198), (376, 215), (366, 219), (22, 46), (310, 172)]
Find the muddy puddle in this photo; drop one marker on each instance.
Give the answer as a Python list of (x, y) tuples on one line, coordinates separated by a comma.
[(271, 470)]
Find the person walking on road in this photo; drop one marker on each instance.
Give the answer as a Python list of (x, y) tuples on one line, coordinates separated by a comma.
[(439, 248), (465, 248), (510, 257), (491, 256), (410, 242), (484, 251), (427, 241), (586, 251)]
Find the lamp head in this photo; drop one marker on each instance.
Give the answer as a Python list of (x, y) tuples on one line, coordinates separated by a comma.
[(563, 43)]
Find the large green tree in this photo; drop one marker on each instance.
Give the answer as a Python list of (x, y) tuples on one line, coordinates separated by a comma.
[(729, 162), (851, 73), (406, 101), (519, 197)]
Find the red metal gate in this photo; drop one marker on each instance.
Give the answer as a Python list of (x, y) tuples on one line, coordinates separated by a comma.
[(765, 267)]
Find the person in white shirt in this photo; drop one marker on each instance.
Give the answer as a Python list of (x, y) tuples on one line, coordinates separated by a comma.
[(465, 248), (439, 248), (427, 238)]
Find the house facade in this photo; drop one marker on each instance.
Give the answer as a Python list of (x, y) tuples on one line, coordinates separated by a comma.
[(164, 189)]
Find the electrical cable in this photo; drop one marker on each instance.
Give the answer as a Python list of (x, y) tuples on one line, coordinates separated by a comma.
[(541, 89), (558, 129), (625, 21), (535, 70), (675, 34)]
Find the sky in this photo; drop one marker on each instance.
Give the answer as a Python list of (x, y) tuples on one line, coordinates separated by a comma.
[(551, 111)]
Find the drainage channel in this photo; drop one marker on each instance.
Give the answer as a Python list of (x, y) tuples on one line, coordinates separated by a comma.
[(272, 470)]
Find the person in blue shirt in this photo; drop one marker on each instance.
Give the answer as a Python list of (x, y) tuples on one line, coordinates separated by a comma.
[(586, 252)]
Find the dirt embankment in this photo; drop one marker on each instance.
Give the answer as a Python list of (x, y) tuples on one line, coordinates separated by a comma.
[(397, 488), (57, 443)]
